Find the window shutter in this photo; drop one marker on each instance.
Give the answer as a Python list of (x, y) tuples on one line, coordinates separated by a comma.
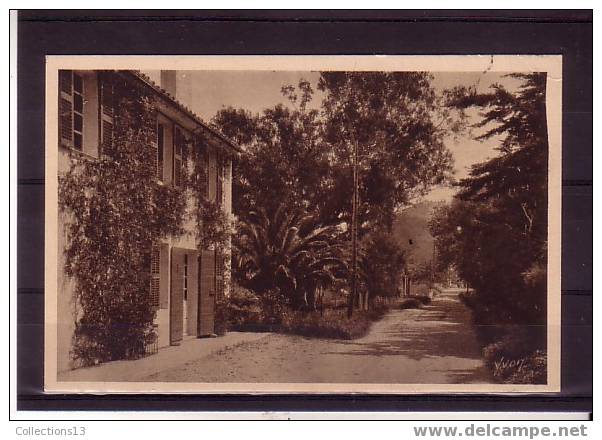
[(66, 120), (178, 171), (66, 107), (164, 276), (154, 146), (107, 108), (227, 180), (219, 184), (107, 133), (155, 286), (107, 98), (66, 81), (160, 147), (219, 273), (177, 157), (204, 178), (78, 112)]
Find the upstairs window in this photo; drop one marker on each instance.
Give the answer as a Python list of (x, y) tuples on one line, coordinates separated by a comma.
[(178, 143), (85, 116)]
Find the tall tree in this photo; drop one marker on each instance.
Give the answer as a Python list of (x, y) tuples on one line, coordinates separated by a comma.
[(303, 155), (300, 157), (495, 232), (395, 119), (285, 160), (518, 175), (381, 263)]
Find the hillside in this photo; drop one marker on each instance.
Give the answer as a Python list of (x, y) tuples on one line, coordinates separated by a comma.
[(410, 228)]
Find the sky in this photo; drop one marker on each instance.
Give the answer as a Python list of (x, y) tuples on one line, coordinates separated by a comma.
[(206, 92)]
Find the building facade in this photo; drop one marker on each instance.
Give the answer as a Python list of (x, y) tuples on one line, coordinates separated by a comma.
[(185, 281)]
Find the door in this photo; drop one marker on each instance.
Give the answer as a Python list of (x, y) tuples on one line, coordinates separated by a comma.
[(206, 293), (176, 302), (192, 293)]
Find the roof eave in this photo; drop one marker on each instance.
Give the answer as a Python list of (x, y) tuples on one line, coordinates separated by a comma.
[(181, 107)]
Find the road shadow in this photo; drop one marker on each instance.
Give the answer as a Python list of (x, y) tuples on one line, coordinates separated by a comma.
[(414, 344), (442, 329)]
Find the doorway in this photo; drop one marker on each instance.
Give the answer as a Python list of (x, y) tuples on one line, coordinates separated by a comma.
[(184, 294)]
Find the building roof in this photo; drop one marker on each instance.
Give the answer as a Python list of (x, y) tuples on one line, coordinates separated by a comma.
[(183, 108)]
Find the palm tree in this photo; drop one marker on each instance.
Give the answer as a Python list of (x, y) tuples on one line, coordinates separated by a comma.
[(290, 251)]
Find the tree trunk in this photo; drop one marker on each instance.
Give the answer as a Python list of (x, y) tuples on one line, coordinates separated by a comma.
[(311, 299), (354, 232)]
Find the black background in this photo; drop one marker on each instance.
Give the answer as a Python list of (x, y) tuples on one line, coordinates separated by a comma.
[(568, 33)]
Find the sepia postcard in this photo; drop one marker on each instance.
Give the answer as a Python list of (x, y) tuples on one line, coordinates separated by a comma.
[(303, 224)]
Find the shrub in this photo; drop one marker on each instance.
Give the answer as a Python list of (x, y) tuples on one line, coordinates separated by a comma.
[(514, 353), (221, 325), (238, 310), (244, 311), (534, 370), (333, 323), (272, 309), (410, 303), (530, 369), (515, 359), (468, 299), (380, 259), (379, 310), (424, 299)]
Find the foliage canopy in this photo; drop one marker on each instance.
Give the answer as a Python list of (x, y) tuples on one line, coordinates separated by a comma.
[(495, 231)]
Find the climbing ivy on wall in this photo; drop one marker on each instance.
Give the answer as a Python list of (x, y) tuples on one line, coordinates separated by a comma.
[(116, 211), (214, 226)]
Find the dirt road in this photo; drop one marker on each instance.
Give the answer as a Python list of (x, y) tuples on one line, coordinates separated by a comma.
[(435, 344)]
